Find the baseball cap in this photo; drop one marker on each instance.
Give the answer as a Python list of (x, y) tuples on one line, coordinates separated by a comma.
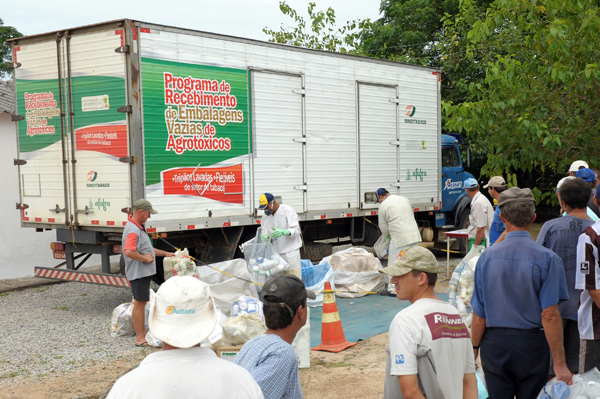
[(495, 181), (182, 312), (586, 174), (575, 166), (380, 192), (264, 200), (515, 194), (413, 258), (471, 183), (144, 205), (286, 291), (561, 181)]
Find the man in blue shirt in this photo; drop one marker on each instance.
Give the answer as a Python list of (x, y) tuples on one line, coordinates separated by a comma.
[(518, 285), (496, 185), (270, 358)]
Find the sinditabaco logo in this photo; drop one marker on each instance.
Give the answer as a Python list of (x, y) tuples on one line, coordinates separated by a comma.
[(410, 112), (451, 185), (92, 175), (91, 178), (174, 310)]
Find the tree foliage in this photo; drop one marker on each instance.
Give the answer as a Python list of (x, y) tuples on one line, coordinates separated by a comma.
[(537, 108), (6, 32), (320, 33)]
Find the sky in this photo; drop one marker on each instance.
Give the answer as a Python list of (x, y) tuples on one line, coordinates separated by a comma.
[(243, 18)]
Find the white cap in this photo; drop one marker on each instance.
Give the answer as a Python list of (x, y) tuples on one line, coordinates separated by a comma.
[(575, 166), (182, 312)]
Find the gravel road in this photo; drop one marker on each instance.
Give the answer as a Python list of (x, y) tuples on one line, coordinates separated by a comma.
[(57, 328)]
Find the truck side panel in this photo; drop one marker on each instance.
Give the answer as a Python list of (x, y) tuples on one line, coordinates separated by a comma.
[(330, 114)]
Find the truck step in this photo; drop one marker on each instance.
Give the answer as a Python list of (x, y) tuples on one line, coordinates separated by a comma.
[(82, 277)]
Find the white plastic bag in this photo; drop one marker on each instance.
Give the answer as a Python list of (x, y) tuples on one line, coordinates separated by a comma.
[(462, 284), (586, 385), (121, 321), (152, 340), (182, 265), (226, 287), (241, 329), (355, 271), (382, 247), (262, 259)]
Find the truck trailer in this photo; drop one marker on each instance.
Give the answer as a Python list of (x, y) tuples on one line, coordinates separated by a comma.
[(202, 124)]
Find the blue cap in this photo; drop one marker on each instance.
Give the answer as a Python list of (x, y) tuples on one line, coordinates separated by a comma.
[(264, 200), (586, 174), (380, 192), (471, 183)]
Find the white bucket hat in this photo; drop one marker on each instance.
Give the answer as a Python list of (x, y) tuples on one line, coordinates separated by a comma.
[(182, 312)]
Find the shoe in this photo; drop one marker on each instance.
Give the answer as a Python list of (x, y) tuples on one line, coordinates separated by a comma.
[(142, 345)]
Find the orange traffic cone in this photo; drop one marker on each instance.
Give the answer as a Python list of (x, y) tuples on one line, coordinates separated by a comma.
[(332, 333)]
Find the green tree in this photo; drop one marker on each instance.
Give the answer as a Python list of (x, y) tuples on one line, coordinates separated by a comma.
[(537, 109), (320, 33), (6, 32)]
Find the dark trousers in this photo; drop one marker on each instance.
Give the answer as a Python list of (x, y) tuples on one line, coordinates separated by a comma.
[(515, 362)]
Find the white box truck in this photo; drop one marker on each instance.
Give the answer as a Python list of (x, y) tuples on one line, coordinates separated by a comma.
[(201, 124)]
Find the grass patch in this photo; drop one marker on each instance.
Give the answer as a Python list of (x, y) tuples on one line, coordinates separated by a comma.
[(3, 294), (61, 307), (43, 288)]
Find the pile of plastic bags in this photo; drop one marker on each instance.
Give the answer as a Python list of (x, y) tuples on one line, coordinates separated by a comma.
[(585, 386)]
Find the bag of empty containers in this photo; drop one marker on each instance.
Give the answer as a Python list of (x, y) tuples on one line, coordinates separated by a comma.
[(314, 277), (355, 272)]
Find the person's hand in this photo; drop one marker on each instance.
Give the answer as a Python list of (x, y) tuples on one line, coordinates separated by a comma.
[(265, 237), (148, 258), (475, 354), (280, 232), (563, 374)]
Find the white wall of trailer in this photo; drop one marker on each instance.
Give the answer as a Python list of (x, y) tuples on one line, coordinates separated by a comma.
[(331, 120), (22, 248)]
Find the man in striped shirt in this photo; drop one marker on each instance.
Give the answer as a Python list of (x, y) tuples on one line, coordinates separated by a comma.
[(588, 280)]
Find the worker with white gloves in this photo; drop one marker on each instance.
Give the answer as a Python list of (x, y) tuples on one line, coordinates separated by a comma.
[(280, 225)]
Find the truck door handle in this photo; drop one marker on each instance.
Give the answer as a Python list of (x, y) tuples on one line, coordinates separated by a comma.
[(444, 175)]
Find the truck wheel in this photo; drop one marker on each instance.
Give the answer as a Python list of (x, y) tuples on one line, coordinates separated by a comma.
[(463, 221), (315, 252)]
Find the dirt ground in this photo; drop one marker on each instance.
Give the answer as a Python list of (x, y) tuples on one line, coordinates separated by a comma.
[(356, 372)]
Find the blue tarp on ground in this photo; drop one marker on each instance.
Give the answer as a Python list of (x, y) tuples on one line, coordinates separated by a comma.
[(362, 318)]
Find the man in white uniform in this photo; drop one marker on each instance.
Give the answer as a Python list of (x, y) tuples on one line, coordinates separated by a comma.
[(182, 314), (427, 325), (280, 224), (397, 221), (481, 216)]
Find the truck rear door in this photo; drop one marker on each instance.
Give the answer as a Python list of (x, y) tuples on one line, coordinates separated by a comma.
[(73, 140)]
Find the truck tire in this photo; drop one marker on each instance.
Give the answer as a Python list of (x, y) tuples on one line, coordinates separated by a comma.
[(315, 252)]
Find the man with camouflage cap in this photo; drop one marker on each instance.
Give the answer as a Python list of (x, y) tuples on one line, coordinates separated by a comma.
[(429, 328)]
